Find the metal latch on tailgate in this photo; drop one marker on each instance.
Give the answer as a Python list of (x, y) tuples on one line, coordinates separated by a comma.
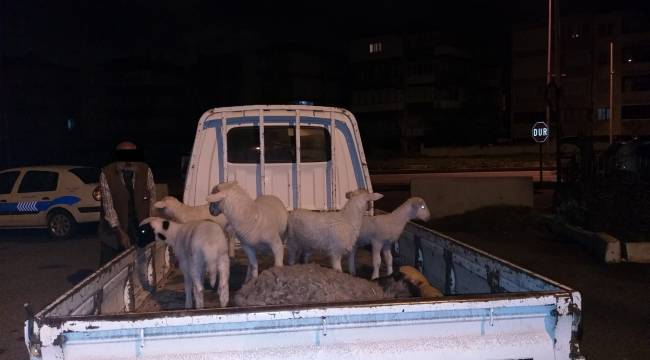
[(34, 342), (568, 319)]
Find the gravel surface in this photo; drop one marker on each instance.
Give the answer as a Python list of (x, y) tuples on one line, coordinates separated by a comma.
[(305, 284)]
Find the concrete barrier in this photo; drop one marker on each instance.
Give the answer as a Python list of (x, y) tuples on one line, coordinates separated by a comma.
[(455, 195), (603, 246), (638, 252)]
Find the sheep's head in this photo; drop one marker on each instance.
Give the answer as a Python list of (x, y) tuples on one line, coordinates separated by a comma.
[(165, 206), (420, 209), (362, 197), (218, 194), (152, 228)]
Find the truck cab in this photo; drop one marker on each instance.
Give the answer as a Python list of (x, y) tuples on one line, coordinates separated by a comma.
[(308, 156)]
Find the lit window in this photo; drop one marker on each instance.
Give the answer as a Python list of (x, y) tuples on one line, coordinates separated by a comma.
[(603, 113), (375, 47)]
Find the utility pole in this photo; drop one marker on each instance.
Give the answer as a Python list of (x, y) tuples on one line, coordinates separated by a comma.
[(549, 43), (552, 79)]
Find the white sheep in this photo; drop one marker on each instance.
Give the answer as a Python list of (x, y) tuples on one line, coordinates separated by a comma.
[(262, 221), (171, 208), (199, 246), (382, 231), (334, 232)]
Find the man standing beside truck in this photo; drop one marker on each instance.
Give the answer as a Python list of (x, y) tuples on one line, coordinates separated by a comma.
[(128, 190)]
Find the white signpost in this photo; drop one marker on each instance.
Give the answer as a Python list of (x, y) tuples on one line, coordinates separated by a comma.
[(540, 133)]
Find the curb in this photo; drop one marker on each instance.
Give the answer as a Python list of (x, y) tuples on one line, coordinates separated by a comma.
[(604, 246)]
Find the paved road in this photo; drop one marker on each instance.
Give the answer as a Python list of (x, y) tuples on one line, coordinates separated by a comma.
[(36, 269), (405, 178)]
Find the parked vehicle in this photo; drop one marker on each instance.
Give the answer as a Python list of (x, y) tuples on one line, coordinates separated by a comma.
[(56, 198), (309, 157)]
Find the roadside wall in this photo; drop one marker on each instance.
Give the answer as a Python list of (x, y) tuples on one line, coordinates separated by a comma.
[(456, 195)]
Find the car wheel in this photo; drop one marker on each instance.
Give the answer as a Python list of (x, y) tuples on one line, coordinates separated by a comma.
[(60, 224)]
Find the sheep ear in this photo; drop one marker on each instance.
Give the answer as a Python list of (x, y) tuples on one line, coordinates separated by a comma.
[(147, 220), (212, 198), (376, 196), (159, 205)]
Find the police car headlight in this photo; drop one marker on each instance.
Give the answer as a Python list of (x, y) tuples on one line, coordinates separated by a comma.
[(97, 194)]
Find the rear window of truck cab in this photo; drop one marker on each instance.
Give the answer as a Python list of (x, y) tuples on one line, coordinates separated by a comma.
[(279, 144)]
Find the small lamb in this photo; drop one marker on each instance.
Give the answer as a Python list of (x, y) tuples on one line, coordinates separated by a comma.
[(334, 232), (382, 231), (199, 246), (255, 222), (170, 208)]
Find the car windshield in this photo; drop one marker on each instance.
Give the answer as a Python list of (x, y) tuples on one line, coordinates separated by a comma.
[(88, 175)]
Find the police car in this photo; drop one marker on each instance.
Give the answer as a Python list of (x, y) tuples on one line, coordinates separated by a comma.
[(56, 198)]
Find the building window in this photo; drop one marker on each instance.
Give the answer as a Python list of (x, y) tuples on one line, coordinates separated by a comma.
[(636, 83), (605, 30), (528, 117), (636, 54), (375, 48), (636, 24), (575, 31), (603, 113), (603, 58), (635, 112)]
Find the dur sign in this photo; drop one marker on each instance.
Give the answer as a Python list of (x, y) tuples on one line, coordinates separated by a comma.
[(540, 132)]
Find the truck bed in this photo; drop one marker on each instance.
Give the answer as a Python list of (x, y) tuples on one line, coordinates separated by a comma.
[(490, 307)]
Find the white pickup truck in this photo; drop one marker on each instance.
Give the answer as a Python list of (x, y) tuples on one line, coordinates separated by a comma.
[(309, 157)]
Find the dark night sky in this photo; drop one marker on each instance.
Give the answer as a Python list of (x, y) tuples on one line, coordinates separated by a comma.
[(71, 31), (76, 31), (80, 36)]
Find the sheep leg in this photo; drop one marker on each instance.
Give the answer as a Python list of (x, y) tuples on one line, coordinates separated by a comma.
[(231, 242), (212, 271), (224, 276), (352, 268), (376, 261), (278, 251), (388, 259), (336, 262), (292, 252), (197, 279), (305, 256), (251, 271), (187, 281), (198, 292)]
